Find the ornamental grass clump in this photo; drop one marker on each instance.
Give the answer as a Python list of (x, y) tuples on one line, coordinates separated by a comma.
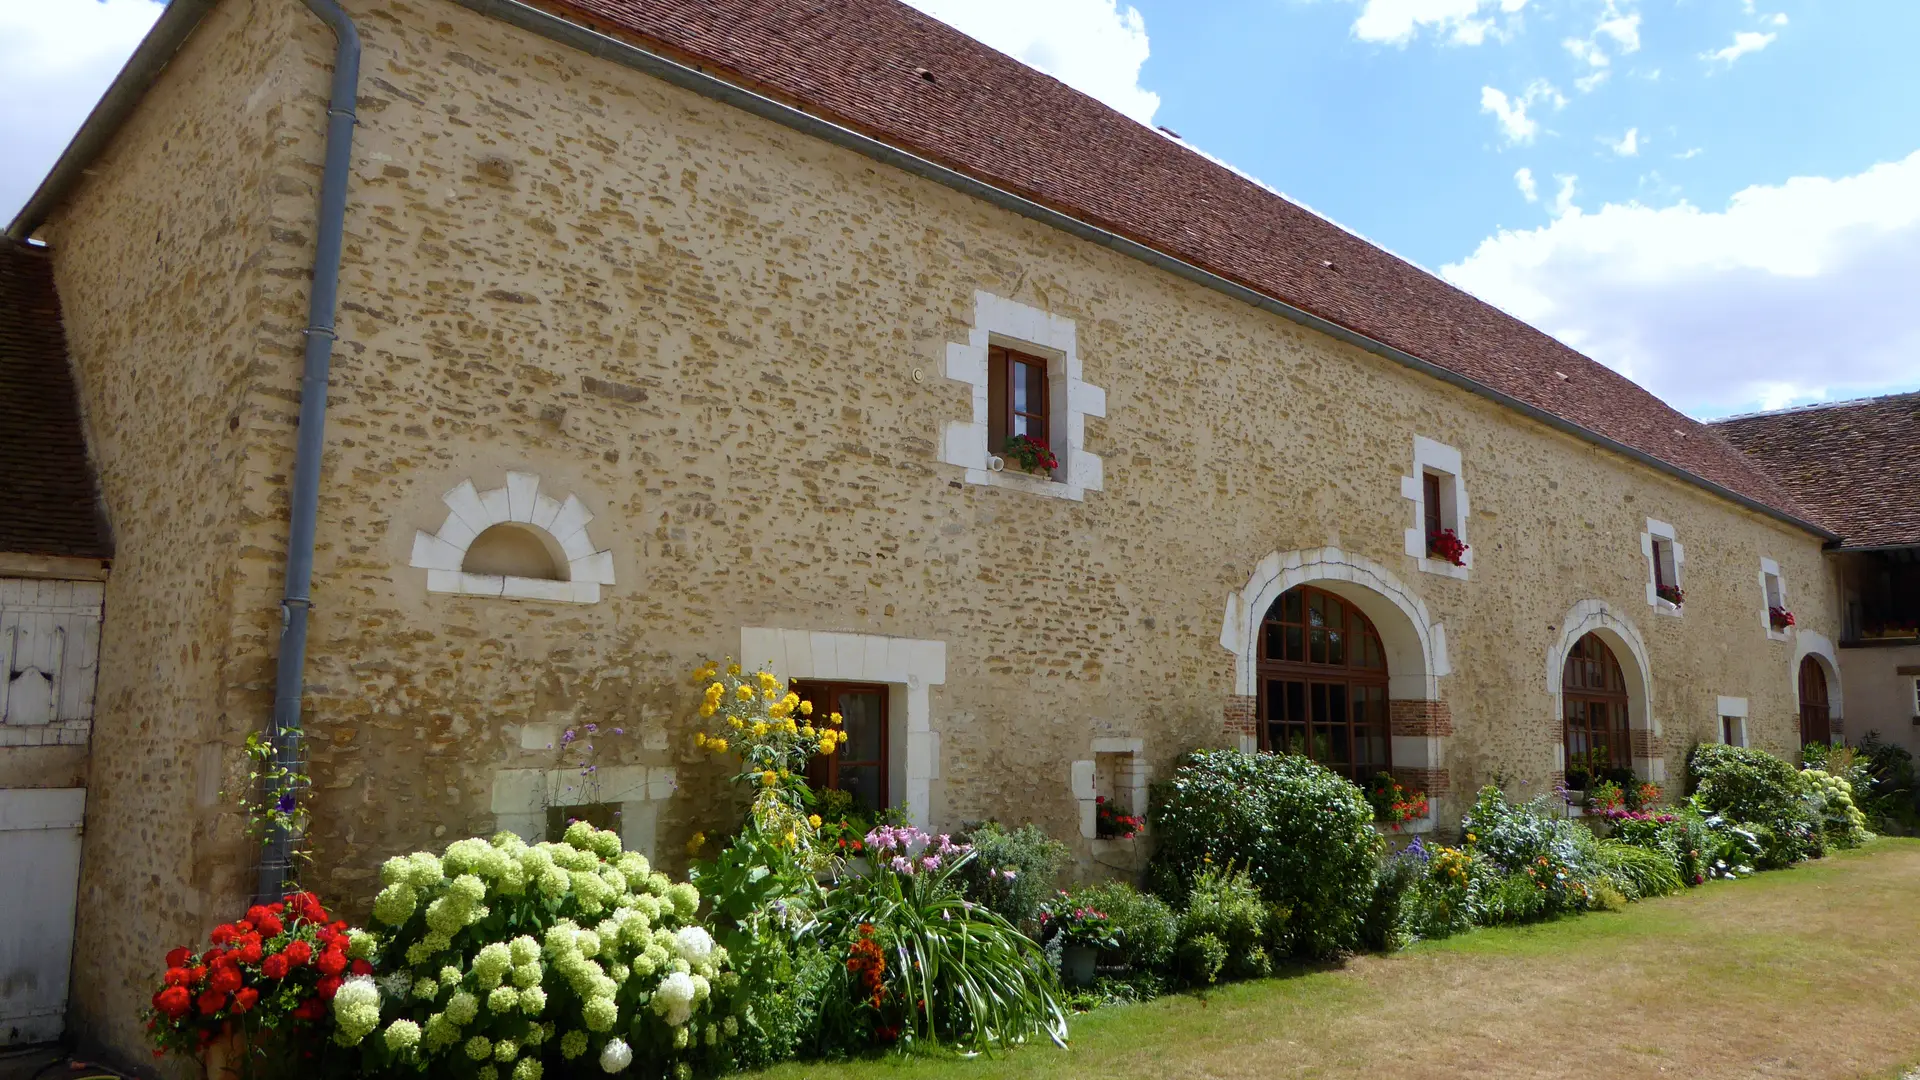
[(507, 960), (952, 972)]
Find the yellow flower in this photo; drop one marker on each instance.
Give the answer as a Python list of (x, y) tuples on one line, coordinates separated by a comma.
[(759, 729), (767, 681), (714, 690), (708, 710), (807, 731), (791, 728), (806, 708), (834, 718), (784, 774), (718, 746), (791, 838), (768, 778), (813, 820), (695, 842), (699, 738), (733, 669), (736, 722), (743, 692)]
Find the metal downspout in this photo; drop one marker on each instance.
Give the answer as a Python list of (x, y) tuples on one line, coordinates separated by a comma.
[(289, 743)]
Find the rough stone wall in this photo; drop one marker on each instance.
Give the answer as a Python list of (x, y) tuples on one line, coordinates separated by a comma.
[(728, 340), (166, 260)]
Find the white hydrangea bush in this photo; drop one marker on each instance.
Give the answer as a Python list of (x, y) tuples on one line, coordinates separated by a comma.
[(503, 960)]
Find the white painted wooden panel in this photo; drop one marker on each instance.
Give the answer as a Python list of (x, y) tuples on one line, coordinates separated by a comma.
[(39, 882), (49, 650)]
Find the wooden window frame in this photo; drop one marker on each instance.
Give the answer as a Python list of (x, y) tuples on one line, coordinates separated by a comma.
[(823, 772), (1731, 726), (1003, 365), (1608, 691), (1362, 682)]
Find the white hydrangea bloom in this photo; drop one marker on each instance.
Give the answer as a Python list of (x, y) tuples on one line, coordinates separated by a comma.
[(615, 1056), (693, 943), (673, 1000)]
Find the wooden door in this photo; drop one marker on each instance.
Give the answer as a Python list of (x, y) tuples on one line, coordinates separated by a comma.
[(859, 767), (1816, 724)]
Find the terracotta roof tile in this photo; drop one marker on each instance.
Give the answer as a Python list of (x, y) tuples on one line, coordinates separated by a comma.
[(49, 504), (980, 112), (1856, 463)]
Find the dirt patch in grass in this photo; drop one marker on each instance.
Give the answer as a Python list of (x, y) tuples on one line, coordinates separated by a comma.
[(1812, 972)]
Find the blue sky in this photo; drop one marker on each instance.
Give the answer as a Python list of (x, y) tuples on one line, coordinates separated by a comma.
[(1720, 198)]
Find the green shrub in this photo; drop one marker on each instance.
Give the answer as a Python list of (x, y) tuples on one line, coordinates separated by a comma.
[(1532, 840), (1763, 795), (1514, 898), (1832, 797), (1226, 907), (1447, 898), (1148, 929), (1201, 959), (1012, 871), (1303, 833), (1886, 796), (1392, 915), (1682, 838)]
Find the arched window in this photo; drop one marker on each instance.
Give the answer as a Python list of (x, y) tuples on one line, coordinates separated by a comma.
[(511, 549), (1816, 723), (1594, 692), (1323, 684)]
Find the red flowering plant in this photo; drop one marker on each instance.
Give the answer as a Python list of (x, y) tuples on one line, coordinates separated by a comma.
[(1034, 455), (1447, 546), (1111, 824), (1672, 594), (1394, 804), (1779, 618), (265, 982)]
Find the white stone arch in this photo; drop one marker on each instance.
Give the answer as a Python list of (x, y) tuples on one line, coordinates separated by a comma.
[(561, 524), (1807, 643), (1415, 644), (1599, 618)]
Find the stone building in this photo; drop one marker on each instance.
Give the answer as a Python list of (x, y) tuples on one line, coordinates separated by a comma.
[(1857, 463), (678, 330)]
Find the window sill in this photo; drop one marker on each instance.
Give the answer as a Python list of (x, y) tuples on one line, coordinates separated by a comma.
[(1416, 827), (1027, 482), (1667, 607), (1445, 569), (1778, 635), (513, 588)]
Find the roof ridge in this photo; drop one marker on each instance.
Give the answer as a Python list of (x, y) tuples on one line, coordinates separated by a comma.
[(1844, 403)]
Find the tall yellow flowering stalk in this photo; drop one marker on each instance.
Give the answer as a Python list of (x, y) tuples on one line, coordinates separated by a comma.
[(773, 734)]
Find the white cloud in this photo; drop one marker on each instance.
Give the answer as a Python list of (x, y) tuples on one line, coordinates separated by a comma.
[(1464, 22), (1563, 199), (1795, 291), (1511, 112), (55, 61), (1776, 19), (1094, 46), (1585, 49), (1627, 145), (1529, 190), (1587, 83), (1623, 29), (1690, 152), (1744, 42)]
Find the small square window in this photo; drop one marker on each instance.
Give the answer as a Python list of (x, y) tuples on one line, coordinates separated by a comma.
[(1018, 399), (1663, 557), (1774, 597), (1437, 535), (1733, 731)]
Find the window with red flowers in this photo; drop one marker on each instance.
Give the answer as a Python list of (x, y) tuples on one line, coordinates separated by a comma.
[(1020, 417)]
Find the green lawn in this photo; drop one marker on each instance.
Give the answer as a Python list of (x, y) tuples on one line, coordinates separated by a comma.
[(1809, 972)]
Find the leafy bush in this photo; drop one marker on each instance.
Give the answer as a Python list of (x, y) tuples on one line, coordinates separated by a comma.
[(1534, 842), (1012, 871), (1390, 921), (1763, 795), (922, 961), (1514, 898), (1681, 837), (1302, 832), (1225, 906), (526, 958), (1148, 930), (1446, 899), (1887, 796), (1845, 826)]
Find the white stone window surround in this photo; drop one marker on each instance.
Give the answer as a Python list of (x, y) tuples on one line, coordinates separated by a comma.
[(1415, 643), (1443, 461), (1071, 399), (1773, 590), (1732, 708), (521, 798), (1130, 778), (49, 660), (1660, 530), (908, 667), (1630, 649), (442, 554)]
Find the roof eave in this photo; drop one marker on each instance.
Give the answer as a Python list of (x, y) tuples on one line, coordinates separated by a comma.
[(170, 31)]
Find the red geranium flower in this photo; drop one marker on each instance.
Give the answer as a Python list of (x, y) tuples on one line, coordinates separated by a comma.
[(275, 966), (222, 934), (298, 952), (177, 976), (310, 1009), (250, 952), (331, 962), (245, 999), (361, 967), (226, 978), (212, 1001), (195, 975), (173, 1002), (326, 986), (179, 957)]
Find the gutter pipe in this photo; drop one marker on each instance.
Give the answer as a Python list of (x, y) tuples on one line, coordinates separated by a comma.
[(605, 47), (289, 742)]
